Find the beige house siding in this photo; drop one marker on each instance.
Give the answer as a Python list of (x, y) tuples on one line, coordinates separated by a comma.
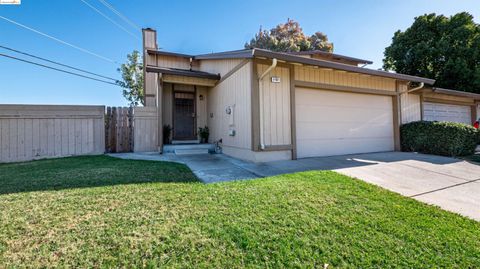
[(30, 132), (276, 106), (173, 62), (411, 107), (447, 98), (145, 129), (151, 84), (188, 80), (235, 91), (342, 78), (167, 113), (257, 156), (202, 112)]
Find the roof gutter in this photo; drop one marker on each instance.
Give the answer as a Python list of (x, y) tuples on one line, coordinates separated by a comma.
[(260, 78)]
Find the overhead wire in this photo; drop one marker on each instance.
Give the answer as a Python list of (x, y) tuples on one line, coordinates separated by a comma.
[(57, 69), (59, 40), (57, 63), (110, 19), (123, 17)]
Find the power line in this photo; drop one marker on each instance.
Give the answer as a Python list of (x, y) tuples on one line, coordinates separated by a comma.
[(111, 20), (60, 41), (57, 63), (123, 17), (57, 69)]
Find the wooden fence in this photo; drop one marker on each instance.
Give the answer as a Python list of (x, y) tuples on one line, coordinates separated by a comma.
[(131, 129), (30, 132), (145, 131), (119, 129)]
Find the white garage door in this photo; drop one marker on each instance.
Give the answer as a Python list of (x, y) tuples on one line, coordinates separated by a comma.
[(444, 112), (336, 123)]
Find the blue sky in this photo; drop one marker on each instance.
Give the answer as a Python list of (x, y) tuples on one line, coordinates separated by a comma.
[(357, 28)]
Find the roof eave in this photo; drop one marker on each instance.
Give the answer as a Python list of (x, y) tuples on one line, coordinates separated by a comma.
[(339, 66), (186, 73), (343, 57), (240, 54), (475, 96), (167, 53)]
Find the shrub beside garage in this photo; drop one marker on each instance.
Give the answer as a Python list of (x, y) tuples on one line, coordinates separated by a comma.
[(439, 138)]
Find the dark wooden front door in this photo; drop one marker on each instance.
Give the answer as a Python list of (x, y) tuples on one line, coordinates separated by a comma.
[(184, 116)]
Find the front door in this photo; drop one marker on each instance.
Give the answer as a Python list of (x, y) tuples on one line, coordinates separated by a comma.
[(184, 116)]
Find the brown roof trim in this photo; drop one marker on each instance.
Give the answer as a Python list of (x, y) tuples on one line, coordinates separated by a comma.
[(251, 53), (182, 72), (236, 54), (475, 96), (328, 64), (334, 55), (166, 53)]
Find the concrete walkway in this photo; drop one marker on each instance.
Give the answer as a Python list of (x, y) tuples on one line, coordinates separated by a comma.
[(450, 183)]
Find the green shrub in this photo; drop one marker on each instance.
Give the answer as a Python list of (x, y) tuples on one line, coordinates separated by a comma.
[(439, 138)]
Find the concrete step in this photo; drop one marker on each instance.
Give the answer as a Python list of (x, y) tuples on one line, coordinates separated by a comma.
[(173, 148), (190, 151), (185, 142)]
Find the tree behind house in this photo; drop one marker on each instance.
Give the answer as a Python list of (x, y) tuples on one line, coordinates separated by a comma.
[(289, 37), (446, 49), (132, 79)]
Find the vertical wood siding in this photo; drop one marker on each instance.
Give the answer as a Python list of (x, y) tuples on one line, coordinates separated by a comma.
[(445, 97), (188, 80), (276, 106), (236, 91), (411, 108), (145, 129), (167, 112), (29, 132), (201, 105), (173, 62), (150, 78), (337, 77)]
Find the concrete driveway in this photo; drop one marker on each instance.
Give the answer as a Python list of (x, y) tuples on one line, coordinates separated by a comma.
[(449, 183)]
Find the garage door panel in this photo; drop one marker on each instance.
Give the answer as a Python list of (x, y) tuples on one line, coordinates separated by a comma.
[(445, 112), (340, 147), (343, 114), (311, 131), (335, 123), (329, 98)]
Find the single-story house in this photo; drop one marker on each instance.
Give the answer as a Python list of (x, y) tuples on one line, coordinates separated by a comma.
[(264, 105)]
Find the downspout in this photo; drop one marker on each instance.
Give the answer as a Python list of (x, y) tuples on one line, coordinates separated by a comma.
[(409, 91), (269, 69), (417, 88)]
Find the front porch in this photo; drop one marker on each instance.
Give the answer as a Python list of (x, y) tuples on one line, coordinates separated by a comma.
[(182, 109)]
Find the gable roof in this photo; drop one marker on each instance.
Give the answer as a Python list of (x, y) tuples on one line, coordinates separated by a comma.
[(333, 55), (287, 57)]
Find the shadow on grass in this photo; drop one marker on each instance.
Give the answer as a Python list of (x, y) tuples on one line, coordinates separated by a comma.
[(86, 172)]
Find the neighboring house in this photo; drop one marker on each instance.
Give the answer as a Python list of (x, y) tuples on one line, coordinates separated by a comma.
[(266, 105)]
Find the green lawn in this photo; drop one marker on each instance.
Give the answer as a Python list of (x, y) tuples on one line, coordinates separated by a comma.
[(105, 212)]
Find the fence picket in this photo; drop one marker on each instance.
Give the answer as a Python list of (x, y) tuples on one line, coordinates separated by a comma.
[(119, 129)]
